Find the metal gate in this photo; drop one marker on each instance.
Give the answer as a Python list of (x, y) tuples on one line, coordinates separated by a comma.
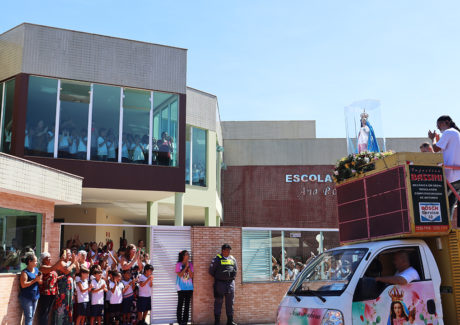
[(165, 245)]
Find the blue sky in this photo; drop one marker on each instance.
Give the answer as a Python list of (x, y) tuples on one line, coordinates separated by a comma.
[(292, 60)]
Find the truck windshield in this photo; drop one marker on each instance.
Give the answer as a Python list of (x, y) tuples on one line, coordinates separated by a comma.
[(329, 273)]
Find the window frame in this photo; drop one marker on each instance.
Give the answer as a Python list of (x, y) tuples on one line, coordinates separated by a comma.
[(190, 183), (38, 227), (321, 232)]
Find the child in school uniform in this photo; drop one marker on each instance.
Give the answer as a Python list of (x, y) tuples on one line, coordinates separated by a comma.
[(97, 296), (128, 295), (144, 302), (116, 296), (107, 297), (83, 288)]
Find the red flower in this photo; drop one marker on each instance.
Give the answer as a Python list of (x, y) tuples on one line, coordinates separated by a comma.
[(362, 318)]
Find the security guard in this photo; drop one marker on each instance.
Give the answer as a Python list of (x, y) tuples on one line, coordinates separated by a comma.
[(223, 268)]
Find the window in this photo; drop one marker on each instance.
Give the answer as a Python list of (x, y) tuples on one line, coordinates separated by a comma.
[(105, 123), (196, 146), (188, 138), (136, 126), (165, 128), (330, 273), (41, 117), (20, 232), (288, 252), (198, 157), (79, 120), (7, 115), (73, 123)]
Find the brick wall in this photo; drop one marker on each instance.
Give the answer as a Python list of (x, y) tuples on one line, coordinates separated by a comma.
[(256, 196), (254, 302), (11, 312)]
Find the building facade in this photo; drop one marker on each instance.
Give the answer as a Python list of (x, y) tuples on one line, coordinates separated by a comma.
[(117, 113)]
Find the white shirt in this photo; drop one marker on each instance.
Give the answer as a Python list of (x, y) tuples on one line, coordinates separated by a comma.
[(111, 149), (117, 296), (73, 147), (138, 154), (82, 144), (97, 298), (410, 274), (124, 151), (82, 296), (101, 147), (450, 146), (50, 146), (129, 292), (145, 291), (109, 293)]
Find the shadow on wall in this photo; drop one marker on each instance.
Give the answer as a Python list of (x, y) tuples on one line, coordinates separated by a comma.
[(12, 311)]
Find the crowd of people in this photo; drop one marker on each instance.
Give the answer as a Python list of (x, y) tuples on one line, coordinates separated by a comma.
[(90, 283), (292, 267), (73, 144)]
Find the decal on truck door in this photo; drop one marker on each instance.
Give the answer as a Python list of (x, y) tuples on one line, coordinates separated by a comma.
[(300, 316), (398, 305)]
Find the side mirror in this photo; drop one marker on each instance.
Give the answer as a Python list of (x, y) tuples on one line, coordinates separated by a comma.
[(431, 307)]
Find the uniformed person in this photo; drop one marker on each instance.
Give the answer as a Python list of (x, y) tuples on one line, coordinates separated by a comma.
[(223, 268)]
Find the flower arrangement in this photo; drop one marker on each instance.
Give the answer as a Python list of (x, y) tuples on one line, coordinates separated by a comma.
[(356, 164)]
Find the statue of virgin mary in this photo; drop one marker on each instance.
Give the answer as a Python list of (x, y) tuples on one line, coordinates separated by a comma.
[(366, 137)]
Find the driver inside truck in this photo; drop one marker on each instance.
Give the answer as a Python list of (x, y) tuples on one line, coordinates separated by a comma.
[(405, 273)]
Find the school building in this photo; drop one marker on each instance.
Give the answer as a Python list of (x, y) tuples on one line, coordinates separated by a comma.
[(101, 137)]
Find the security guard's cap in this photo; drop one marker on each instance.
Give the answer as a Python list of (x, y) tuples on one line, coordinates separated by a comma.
[(226, 246)]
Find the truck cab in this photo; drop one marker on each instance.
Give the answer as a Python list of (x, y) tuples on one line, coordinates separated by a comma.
[(339, 287)]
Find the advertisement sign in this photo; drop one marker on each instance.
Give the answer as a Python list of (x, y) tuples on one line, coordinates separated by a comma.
[(428, 199)]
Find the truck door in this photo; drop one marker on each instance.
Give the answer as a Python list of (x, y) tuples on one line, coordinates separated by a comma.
[(375, 302)]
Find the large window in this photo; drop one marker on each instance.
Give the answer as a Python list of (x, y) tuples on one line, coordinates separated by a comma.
[(105, 123), (73, 122), (136, 126), (166, 128), (6, 117), (20, 232), (196, 146), (280, 255), (97, 122), (41, 117)]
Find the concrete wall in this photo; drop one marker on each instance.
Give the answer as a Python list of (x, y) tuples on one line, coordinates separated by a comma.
[(255, 303), (324, 151), (81, 56), (11, 48), (24, 177), (268, 130), (201, 109)]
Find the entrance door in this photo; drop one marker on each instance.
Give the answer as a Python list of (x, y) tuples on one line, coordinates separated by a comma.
[(166, 243)]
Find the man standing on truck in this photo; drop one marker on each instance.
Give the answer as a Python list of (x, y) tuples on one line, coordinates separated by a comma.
[(405, 273), (449, 144), (223, 269)]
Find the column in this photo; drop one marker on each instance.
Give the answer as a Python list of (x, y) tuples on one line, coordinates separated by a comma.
[(210, 217), (152, 220), (179, 209), (217, 221)]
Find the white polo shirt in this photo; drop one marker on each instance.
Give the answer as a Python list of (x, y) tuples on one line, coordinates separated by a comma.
[(410, 274)]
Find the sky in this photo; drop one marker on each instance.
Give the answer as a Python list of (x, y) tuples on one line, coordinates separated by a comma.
[(292, 60)]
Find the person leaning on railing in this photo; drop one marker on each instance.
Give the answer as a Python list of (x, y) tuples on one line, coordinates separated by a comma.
[(449, 144)]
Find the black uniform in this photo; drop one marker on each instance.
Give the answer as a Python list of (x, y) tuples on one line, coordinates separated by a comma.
[(224, 272)]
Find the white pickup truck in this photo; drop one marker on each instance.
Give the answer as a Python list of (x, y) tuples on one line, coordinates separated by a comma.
[(339, 287)]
